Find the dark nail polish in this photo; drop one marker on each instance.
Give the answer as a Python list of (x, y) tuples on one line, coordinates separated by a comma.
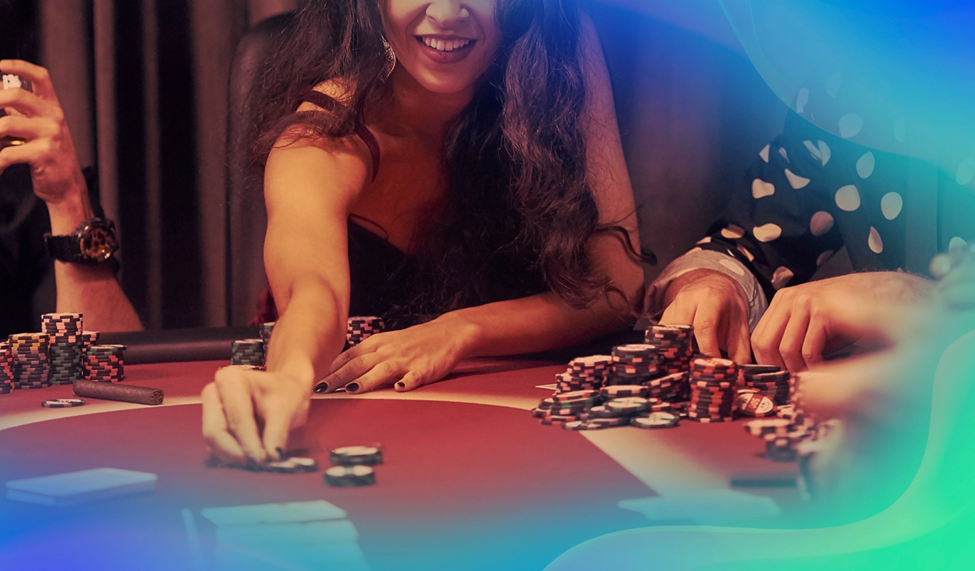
[(280, 453), (252, 464), (352, 387), (400, 385), (321, 387)]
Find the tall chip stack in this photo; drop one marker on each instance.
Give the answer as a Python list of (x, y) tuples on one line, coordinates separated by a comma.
[(247, 352), (88, 340), (675, 346), (633, 364), (584, 373), (771, 381), (105, 363), (266, 330), (358, 329), (32, 369), (64, 331), (794, 426), (714, 385), (6, 369)]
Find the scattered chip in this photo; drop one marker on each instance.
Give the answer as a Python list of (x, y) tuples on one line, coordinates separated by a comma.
[(350, 476)]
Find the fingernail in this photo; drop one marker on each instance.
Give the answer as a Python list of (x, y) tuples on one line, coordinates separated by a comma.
[(352, 387), (252, 464), (280, 453), (400, 386), (321, 387)]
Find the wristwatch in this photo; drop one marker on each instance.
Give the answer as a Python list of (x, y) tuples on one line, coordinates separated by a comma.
[(93, 242)]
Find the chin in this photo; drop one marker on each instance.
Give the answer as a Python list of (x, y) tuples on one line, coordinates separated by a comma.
[(447, 86)]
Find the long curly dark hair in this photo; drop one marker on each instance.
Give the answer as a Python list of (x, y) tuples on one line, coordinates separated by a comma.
[(519, 209)]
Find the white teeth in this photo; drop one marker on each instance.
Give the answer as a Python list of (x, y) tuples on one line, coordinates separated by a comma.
[(446, 46)]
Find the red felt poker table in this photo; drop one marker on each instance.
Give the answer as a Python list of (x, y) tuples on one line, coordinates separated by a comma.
[(470, 479)]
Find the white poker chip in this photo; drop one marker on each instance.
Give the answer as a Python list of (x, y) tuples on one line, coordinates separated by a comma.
[(63, 403)]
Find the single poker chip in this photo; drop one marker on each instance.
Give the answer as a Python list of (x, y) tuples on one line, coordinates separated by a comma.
[(557, 418), (573, 396), (592, 424), (655, 420), (628, 405), (756, 404), (63, 403), (356, 456), (350, 476), (293, 465), (602, 411), (620, 391), (748, 370)]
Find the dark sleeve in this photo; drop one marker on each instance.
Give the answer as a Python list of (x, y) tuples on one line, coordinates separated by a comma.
[(780, 218)]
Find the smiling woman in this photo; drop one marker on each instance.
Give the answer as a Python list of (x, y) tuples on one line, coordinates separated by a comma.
[(481, 169)]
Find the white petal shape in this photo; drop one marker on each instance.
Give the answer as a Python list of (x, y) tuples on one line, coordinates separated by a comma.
[(848, 198), (813, 150), (802, 99), (823, 257), (874, 242), (891, 205), (734, 267), (866, 164), (733, 232), (766, 232), (825, 152), (744, 252), (795, 180), (821, 223), (966, 172), (781, 277), (704, 240), (764, 153), (900, 130), (833, 84), (761, 189), (784, 154), (957, 243), (850, 125)]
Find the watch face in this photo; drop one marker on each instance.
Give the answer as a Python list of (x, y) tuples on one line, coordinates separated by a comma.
[(98, 242)]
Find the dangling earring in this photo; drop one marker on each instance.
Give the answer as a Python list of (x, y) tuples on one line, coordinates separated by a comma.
[(390, 59)]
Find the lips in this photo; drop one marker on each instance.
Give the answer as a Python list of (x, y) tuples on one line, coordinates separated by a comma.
[(445, 57)]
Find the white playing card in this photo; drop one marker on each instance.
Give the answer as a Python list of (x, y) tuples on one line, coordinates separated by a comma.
[(77, 487), (293, 512), (705, 507)]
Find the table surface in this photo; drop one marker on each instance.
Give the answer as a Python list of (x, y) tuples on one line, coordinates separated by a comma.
[(470, 479)]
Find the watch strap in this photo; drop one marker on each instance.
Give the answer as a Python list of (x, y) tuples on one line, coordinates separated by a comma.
[(65, 248)]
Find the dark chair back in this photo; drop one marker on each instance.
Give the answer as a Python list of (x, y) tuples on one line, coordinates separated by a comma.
[(246, 216)]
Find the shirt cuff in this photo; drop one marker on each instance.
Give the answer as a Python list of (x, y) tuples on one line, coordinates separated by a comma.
[(698, 259)]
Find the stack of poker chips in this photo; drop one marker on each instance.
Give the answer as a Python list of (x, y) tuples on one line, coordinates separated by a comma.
[(32, 368), (713, 384), (634, 364), (353, 466), (266, 330), (770, 380), (247, 352), (675, 346), (613, 405), (670, 388), (88, 339), (584, 373), (361, 328), (64, 331), (105, 363), (6, 369)]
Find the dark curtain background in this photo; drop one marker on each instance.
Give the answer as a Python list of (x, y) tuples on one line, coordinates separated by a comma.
[(144, 87)]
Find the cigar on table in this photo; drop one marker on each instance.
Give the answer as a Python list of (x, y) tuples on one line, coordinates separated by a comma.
[(114, 391)]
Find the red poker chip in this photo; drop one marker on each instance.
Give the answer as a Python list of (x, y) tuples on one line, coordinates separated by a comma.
[(756, 404)]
